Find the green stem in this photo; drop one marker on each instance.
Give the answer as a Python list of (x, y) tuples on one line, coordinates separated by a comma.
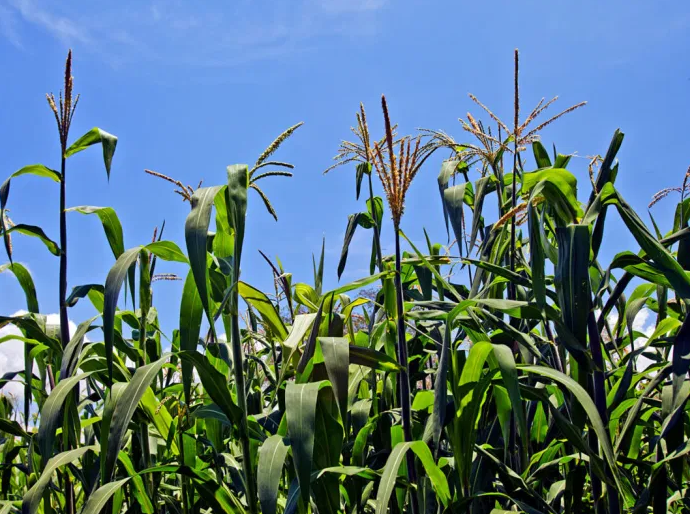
[(238, 364), (144, 305), (185, 483), (64, 319), (404, 375)]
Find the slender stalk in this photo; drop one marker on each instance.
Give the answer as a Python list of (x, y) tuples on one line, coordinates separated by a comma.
[(185, 492), (144, 306), (513, 200), (404, 375), (64, 318), (238, 361)]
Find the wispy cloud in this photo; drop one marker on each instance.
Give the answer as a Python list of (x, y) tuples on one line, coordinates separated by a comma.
[(177, 32), (62, 27)]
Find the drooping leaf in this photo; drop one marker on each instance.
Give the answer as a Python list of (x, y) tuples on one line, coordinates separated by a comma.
[(373, 359), (390, 473), (33, 169), (93, 137), (672, 270), (111, 225), (168, 251), (34, 231), (26, 283), (362, 219)]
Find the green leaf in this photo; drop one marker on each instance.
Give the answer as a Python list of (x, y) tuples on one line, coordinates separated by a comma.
[(441, 383), (212, 490), (26, 283), (32, 498), (298, 330), (506, 363), (99, 498), (34, 231), (300, 409), (13, 428), (52, 411), (191, 314), (357, 284), (236, 198), (670, 267), (558, 186), (537, 258), (453, 202), (337, 360), (541, 156), (196, 235), (588, 405), (447, 170), (138, 487), (113, 284), (95, 292), (373, 359), (318, 272), (72, 350), (168, 251), (362, 219), (125, 405), (111, 226), (271, 460), (481, 187), (266, 309), (468, 396), (572, 278), (605, 174), (215, 384), (93, 137), (33, 169), (390, 474)]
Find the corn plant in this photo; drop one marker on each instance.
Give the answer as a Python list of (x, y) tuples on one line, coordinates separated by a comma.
[(506, 369)]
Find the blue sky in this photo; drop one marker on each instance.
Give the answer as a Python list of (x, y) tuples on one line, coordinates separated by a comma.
[(190, 87)]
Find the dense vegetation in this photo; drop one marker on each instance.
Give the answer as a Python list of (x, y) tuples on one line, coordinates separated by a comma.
[(502, 372)]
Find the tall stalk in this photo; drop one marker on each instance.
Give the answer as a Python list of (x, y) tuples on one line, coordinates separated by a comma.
[(513, 200), (63, 117), (404, 375), (396, 173)]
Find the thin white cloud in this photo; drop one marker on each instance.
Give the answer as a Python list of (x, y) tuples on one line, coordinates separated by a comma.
[(62, 27), (358, 6), (181, 33), (8, 27)]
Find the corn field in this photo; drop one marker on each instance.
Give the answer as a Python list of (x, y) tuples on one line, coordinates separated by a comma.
[(501, 370)]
